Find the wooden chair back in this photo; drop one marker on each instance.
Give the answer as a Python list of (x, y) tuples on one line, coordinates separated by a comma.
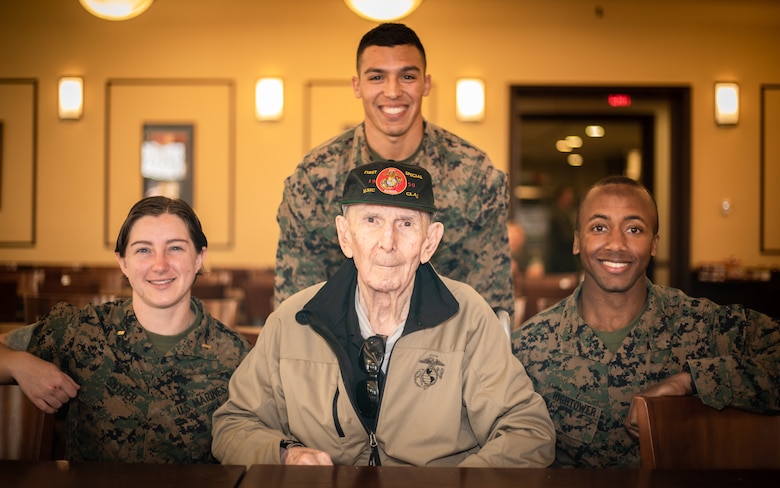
[(545, 291), (223, 309), (26, 433), (35, 306), (684, 433), (259, 297), (210, 289)]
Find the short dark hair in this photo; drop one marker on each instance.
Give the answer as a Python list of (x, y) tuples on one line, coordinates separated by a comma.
[(390, 34), (156, 206), (618, 180)]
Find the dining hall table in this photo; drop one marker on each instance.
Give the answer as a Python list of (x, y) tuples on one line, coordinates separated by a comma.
[(69, 474), (273, 476), (65, 474)]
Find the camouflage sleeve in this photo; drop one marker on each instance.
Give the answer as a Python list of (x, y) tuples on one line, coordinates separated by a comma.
[(52, 337), (19, 339), (496, 248), (307, 246), (491, 273), (744, 371)]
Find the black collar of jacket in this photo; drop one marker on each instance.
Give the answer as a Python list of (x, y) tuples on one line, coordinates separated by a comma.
[(432, 302), (331, 313)]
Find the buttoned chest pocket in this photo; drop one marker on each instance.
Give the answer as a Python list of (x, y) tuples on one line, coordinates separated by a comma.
[(575, 419)]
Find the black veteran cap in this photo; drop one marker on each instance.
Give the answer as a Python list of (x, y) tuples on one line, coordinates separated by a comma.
[(390, 183)]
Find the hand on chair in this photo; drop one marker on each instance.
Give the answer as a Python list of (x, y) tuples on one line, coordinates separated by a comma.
[(676, 385), (42, 382)]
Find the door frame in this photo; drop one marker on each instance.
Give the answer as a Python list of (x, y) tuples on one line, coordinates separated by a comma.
[(565, 99)]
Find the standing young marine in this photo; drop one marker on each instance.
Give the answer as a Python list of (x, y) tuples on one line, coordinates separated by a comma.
[(472, 194)]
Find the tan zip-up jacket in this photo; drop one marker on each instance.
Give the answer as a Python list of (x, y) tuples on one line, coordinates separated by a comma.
[(454, 393)]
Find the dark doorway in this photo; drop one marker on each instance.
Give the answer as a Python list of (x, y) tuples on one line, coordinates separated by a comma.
[(556, 143)]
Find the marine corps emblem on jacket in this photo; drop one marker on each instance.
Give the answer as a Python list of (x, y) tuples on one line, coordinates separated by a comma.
[(428, 376)]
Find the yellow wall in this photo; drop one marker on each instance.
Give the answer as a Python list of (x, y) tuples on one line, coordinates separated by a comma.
[(506, 42)]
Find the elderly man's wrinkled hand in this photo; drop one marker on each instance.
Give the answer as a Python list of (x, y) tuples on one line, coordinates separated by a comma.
[(306, 456)]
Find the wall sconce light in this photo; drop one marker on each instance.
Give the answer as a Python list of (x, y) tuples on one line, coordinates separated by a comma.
[(116, 9), (470, 100), (383, 10), (726, 103), (71, 97), (269, 99)]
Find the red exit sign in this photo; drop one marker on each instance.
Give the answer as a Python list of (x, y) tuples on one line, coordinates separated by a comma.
[(619, 100)]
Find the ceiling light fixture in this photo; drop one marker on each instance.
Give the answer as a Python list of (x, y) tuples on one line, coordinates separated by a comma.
[(562, 146), (383, 10), (116, 9), (594, 131), (574, 160), (574, 142)]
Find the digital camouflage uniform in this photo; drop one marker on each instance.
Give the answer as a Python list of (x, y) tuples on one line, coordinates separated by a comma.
[(471, 198), (733, 355), (133, 405)]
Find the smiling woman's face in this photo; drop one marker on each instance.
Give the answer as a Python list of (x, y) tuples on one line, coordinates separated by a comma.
[(160, 261)]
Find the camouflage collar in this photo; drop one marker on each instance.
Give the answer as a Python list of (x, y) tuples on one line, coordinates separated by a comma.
[(650, 333)]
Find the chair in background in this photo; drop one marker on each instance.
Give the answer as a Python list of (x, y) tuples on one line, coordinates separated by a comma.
[(683, 433), (540, 293), (222, 300), (26, 433), (35, 306), (258, 296), (223, 309), (217, 283), (9, 300), (205, 290)]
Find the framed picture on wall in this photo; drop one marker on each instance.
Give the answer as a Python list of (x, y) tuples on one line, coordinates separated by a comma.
[(151, 147), (18, 143), (1, 164), (770, 169), (166, 161)]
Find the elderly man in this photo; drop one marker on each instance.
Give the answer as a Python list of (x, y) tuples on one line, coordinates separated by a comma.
[(387, 363)]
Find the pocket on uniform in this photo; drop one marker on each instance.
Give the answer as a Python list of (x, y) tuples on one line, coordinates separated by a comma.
[(573, 418)]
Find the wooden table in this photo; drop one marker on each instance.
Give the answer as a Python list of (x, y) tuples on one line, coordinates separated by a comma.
[(273, 476), (64, 474)]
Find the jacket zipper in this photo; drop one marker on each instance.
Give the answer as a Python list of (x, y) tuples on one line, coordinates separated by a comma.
[(335, 407), (374, 459)]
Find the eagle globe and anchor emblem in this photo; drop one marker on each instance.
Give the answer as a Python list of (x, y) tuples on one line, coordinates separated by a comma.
[(428, 376), (391, 181)]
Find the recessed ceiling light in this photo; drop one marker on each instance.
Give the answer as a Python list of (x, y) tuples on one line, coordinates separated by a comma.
[(594, 131), (574, 141), (562, 146)]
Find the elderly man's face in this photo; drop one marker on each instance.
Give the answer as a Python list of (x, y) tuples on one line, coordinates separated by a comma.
[(387, 243)]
